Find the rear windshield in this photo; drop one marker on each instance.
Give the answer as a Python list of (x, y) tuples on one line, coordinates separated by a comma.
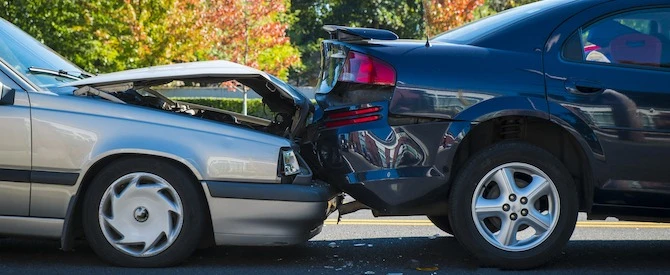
[(473, 31)]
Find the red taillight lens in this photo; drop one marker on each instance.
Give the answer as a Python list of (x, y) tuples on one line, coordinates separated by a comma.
[(350, 121), (361, 68), (354, 113), (351, 117)]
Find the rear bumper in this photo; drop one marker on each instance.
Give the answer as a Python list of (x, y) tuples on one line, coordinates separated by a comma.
[(253, 214), (392, 169)]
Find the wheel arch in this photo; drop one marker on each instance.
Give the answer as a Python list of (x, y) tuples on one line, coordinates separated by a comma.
[(72, 225), (537, 128)]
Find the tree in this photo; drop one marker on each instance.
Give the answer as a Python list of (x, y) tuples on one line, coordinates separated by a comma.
[(140, 33), (442, 15), (253, 32), (105, 36)]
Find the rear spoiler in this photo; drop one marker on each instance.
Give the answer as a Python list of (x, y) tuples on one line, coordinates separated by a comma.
[(343, 33)]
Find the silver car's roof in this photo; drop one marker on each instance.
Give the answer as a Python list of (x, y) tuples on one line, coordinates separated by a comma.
[(218, 68)]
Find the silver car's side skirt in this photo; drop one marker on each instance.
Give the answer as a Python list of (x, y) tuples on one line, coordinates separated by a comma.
[(31, 227)]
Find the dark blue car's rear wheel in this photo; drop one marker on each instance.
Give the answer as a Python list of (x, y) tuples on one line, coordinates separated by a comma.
[(513, 205)]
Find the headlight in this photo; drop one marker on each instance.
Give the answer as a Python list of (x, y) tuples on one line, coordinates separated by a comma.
[(290, 162)]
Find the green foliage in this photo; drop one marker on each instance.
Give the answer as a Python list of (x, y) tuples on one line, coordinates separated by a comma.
[(111, 35), (255, 107), (64, 25)]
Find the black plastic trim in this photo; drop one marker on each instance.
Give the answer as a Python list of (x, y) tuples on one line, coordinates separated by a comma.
[(14, 175), (271, 191), (344, 33), (57, 178)]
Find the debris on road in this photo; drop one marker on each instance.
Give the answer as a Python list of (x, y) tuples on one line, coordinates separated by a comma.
[(333, 245), (359, 244), (369, 273), (434, 236)]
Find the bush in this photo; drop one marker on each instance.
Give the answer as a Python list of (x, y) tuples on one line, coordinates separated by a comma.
[(255, 106)]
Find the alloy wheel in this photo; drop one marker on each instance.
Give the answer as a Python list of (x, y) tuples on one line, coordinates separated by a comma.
[(515, 207)]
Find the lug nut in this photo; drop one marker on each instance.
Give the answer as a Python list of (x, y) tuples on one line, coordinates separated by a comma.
[(524, 200), (513, 216), (506, 207), (524, 212), (512, 197)]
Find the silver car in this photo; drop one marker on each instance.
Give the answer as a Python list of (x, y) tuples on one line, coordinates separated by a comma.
[(145, 179)]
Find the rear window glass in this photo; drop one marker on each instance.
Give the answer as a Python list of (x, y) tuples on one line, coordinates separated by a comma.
[(480, 28)]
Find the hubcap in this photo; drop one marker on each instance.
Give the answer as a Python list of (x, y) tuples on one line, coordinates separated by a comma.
[(510, 223), (124, 214)]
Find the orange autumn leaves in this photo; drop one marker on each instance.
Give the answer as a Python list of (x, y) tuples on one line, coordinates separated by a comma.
[(250, 32), (442, 15), (253, 32)]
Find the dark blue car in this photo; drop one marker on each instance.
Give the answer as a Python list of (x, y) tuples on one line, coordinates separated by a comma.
[(501, 131)]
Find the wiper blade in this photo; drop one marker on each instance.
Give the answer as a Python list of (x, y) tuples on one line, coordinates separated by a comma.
[(62, 73)]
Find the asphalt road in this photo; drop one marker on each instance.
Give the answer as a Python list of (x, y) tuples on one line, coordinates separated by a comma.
[(361, 244)]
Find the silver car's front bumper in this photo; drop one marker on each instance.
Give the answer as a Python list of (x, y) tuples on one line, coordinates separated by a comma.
[(268, 214)]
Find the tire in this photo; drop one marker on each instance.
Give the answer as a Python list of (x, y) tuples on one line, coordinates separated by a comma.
[(442, 222), (166, 206), (550, 208)]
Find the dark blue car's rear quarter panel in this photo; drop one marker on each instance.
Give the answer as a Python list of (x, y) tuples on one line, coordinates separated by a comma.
[(449, 88)]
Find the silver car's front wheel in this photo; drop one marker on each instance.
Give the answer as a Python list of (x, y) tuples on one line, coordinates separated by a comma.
[(515, 206), (141, 214), (144, 212)]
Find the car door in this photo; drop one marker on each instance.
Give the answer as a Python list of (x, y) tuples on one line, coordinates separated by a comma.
[(610, 66), (15, 149)]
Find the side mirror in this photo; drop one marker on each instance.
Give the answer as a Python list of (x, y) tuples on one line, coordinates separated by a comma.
[(7, 95)]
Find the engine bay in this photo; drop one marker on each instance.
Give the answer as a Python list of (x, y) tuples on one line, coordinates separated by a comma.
[(144, 94)]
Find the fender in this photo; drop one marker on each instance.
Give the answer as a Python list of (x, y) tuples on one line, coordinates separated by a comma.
[(579, 129)]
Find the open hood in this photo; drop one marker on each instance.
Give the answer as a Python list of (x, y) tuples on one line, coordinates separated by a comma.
[(275, 93), (191, 70)]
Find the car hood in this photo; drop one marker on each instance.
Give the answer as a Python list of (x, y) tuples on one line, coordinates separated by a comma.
[(206, 69), (201, 69)]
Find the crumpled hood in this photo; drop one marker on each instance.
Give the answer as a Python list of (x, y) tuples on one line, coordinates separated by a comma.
[(201, 69)]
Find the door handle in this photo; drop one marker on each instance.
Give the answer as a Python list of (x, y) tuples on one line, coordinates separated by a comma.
[(583, 86)]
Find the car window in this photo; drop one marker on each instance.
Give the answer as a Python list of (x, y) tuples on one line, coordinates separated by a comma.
[(480, 28), (20, 52), (637, 38)]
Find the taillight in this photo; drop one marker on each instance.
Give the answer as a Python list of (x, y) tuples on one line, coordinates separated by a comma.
[(361, 68), (352, 117)]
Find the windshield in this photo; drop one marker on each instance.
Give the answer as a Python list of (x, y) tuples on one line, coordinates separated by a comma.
[(470, 32), (21, 52)]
